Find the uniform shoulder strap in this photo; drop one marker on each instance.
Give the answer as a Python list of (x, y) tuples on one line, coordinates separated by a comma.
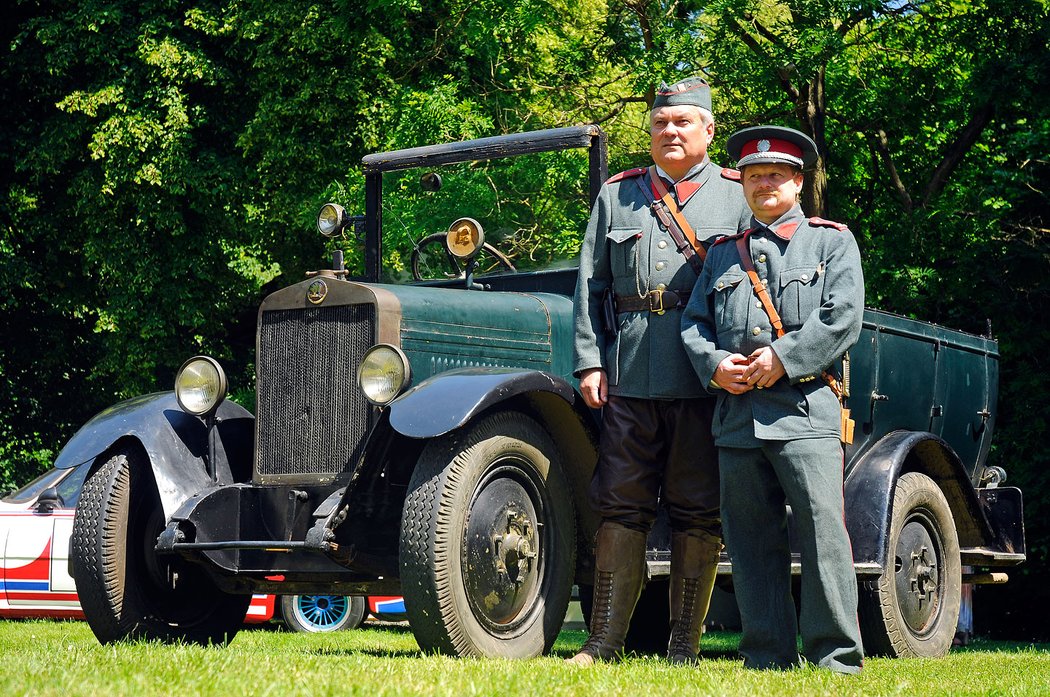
[(731, 174), (730, 238), (626, 174), (821, 222)]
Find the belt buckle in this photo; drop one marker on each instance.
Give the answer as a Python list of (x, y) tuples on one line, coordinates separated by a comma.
[(658, 306)]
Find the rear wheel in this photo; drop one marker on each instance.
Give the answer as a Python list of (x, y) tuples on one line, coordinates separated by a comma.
[(488, 541), (912, 609), (126, 590), (323, 613)]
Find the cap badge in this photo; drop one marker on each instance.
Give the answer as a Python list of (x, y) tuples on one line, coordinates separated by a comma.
[(763, 145)]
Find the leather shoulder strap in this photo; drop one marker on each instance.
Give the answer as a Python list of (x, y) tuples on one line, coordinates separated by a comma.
[(759, 286), (676, 224)]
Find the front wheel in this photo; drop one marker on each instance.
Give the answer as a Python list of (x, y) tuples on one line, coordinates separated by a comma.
[(323, 613), (912, 609), (126, 590), (488, 541)]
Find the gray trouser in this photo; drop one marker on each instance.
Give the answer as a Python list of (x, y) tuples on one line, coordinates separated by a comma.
[(756, 483)]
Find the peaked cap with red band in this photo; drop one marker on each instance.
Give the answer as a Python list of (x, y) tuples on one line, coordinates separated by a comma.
[(771, 145)]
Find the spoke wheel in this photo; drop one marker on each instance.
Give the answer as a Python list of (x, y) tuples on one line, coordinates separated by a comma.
[(323, 613), (488, 541), (126, 590), (912, 609)]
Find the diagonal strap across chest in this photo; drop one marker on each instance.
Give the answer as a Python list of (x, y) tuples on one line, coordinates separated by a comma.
[(760, 287), (668, 213)]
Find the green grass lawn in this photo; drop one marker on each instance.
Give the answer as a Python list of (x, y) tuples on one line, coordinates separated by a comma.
[(63, 658)]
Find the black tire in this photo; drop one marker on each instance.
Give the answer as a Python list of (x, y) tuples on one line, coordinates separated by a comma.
[(912, 609), (323, 613), (488, 541), (126, 590)]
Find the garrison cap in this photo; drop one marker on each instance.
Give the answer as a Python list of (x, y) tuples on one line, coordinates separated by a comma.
[(692, 91), (771, 144)]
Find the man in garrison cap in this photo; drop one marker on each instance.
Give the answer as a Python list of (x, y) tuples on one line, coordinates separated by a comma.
[(644, 246), (772, 310)]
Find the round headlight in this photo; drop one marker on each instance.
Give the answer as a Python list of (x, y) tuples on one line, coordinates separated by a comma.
[(200, 385), (465, 237), (383, 374), (331, 220)]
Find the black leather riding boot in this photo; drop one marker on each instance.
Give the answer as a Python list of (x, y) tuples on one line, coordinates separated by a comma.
[(694, 564), (619, 570)]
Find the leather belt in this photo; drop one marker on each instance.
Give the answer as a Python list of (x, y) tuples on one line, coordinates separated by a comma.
[(658, 301)]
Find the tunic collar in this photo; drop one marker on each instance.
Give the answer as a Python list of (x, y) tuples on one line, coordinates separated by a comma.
[(784, 226), (688, 185)]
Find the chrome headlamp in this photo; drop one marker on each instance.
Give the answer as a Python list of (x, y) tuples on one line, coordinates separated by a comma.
[(384, 373), (331, 220), (200, 386)]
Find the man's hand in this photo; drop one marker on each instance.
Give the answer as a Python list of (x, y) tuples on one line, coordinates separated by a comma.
[(594, 387), (764, 369), (729, 375)]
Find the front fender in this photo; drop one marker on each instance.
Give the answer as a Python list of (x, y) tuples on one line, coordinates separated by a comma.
[(444, 402), (870, 485), (175, 442)]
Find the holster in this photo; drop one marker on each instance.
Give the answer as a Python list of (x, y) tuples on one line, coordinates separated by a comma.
[(608, 313)]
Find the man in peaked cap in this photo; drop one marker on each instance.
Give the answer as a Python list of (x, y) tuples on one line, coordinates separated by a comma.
[(643, 249), (772, 310)]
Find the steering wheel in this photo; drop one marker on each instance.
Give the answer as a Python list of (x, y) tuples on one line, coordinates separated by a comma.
[(489, 259)]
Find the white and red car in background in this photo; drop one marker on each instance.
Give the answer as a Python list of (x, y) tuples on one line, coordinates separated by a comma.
[(36, 522)]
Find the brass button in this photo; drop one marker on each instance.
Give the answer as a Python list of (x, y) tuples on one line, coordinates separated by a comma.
[(756, 331), (762, 258), (805, 277), (721, 285), (661, 286), (660, 266), (662, 244)]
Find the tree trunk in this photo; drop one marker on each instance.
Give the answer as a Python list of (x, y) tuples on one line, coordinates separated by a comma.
[(811, 111)]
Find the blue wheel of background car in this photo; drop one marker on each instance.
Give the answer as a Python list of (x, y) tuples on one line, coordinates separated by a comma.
[(323, 613)]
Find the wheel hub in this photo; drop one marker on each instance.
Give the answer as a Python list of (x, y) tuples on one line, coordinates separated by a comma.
[(918, 578), (514, 548), (502, 569)]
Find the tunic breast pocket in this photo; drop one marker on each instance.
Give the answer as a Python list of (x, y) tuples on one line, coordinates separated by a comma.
[(623, 243), (801, 291), (721, 289)]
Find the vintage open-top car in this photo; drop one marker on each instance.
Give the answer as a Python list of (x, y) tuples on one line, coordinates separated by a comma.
[(418, 431)]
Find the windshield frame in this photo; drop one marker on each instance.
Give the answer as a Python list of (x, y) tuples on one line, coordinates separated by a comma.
[(373, 166)]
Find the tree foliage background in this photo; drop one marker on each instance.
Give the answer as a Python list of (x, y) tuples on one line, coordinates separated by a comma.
[(161, 164)]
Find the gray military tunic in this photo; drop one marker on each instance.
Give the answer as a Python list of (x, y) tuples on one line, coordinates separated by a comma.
[(627, 249), (816, 284)]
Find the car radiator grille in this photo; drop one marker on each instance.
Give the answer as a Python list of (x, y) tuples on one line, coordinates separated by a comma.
[(312, 417)]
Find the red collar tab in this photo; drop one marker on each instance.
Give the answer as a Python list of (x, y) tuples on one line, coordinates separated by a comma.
[(785, 230), (685, 190), (626, 175), (820, 222), (732, 174), (767, 145)]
